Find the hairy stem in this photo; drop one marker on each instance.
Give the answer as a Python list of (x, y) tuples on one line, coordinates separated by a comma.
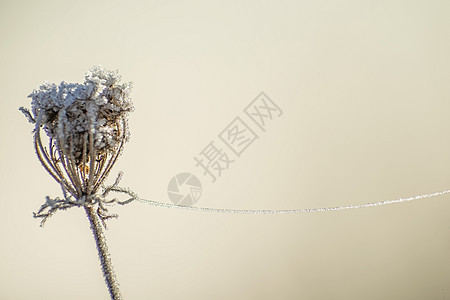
[(103, 253)]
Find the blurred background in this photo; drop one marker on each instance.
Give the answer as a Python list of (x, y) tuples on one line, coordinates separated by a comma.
[(364, 89)]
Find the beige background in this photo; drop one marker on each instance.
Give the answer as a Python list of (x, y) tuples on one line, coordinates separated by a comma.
[(364, 86)]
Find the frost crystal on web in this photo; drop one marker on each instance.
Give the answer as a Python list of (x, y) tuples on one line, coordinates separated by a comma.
[(86, 127)]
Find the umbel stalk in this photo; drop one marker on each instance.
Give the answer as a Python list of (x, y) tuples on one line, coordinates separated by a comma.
[(103, 254)]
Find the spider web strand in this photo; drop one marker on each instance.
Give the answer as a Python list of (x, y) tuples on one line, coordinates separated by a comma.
[(291, 211)]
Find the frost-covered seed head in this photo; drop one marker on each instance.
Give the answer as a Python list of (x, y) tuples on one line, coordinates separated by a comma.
[(71, 112)]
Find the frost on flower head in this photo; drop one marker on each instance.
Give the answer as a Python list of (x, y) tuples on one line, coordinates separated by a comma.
[(85, 127), (69, 112), (79, 133)]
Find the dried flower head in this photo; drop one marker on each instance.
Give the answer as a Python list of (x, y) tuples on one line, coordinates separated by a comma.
[(86, 127)]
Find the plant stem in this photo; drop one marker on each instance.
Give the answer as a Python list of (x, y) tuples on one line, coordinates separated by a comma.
[(103, 254)]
